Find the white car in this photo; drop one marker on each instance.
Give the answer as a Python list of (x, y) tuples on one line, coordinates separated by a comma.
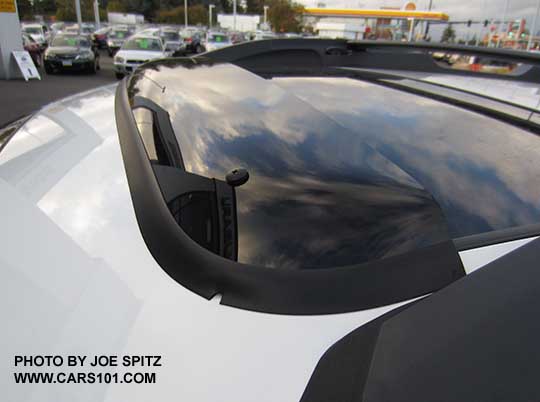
[(149, 32), (277, 221), (39, 32), (136, 51), (116, 38), (216, 40), (171, 39), (260, 35)]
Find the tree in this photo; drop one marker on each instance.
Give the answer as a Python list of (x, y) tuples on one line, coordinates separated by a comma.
[(285, 15), (448, 35), (197, 14), (254, 7), (45, 7), (116, 6), (226, 6), (24, 7), (65, 10)]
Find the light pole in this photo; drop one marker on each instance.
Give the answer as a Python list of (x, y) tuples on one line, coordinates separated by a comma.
[(501, 25), (78, 11), (266, 15), (96, 14), (185, 13), (411, 29), (481, 25), (532, 31), (210, 7), (234, 15), (427, 24)]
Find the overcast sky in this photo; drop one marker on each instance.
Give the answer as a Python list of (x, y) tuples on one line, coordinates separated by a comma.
[(459, 10)]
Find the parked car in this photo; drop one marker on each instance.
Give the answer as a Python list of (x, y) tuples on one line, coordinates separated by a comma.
[(57, 27), (71, 29), (153, 31), (76, 29), (100, 37), (116, 39), (39, 32), (171, 39), (71, 53), (87, 29), (33, 48), (136, 51), (216, 40), (237, 37), (260, 35), (192, 40), (287, 220)]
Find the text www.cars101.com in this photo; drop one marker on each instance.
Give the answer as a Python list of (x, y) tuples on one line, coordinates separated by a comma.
[(85, 378)]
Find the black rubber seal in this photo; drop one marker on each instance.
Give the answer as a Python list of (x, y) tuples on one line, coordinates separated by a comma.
[(270, 290)]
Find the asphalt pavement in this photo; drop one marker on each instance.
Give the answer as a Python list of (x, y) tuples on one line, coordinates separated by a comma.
[(19, 98)]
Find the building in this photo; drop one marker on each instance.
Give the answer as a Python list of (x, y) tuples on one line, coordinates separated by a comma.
[(244, 23), (386, 23)]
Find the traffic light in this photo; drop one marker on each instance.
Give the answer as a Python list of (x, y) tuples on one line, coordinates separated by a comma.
[(486, 22), (469, 23)]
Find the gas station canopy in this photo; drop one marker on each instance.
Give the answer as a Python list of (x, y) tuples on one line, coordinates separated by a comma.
[(374, 13)]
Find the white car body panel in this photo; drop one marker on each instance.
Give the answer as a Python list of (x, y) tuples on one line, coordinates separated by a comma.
[(209, 46), (140, 56), (77, 274), (477, 258)]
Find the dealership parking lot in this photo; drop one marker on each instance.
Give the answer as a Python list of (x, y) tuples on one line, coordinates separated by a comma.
[(20, 98)]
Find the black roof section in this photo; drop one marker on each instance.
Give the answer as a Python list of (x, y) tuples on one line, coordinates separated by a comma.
[(475, 340)]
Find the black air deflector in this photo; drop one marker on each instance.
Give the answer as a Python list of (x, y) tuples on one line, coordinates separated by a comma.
[(273, 290), (475, 340)]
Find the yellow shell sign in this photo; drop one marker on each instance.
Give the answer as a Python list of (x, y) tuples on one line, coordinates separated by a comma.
[(7, 6), (408, 7)]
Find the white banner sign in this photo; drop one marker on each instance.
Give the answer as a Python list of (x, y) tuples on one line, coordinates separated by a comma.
[(26, 64)]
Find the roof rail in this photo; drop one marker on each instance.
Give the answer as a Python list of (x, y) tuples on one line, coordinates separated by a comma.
[(274, 57)]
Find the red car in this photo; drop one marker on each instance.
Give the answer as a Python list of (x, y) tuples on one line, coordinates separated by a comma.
[(32, 47)]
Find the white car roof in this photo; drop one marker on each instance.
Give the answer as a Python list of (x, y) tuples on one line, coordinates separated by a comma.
[(145, 36)]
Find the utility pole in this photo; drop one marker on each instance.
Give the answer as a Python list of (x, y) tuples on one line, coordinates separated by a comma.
[(411, 29), (427, 24), (481, 24), (96, 14), (234, 15), (532, 31), (78, 11), (265, 15), (185, 14), (502, 23), (210, 7)]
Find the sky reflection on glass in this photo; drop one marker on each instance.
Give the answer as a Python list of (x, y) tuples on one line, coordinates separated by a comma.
[(318, 194), (485, 174)]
